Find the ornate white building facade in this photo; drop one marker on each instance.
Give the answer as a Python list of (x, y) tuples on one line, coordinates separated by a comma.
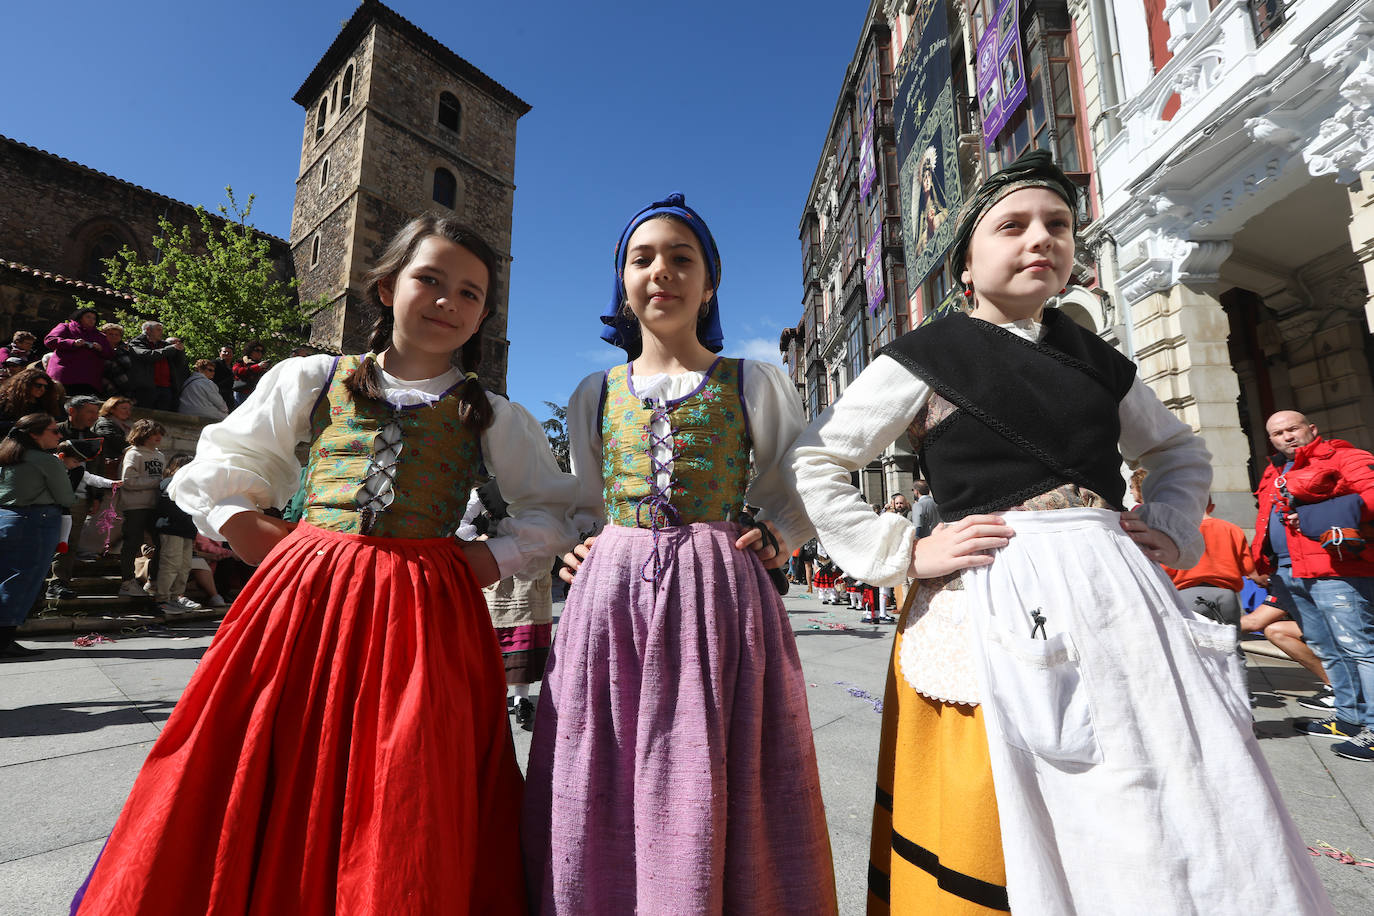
[(1235, 157)]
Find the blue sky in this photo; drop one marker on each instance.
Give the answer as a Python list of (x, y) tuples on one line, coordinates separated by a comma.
[(728, 102)]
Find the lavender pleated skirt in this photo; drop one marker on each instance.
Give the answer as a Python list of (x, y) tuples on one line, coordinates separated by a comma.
[(672, 768)]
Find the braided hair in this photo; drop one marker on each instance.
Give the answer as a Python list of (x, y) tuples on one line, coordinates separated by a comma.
[(474, 409)]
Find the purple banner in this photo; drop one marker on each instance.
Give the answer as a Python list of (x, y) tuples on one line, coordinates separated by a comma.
[(868, 163), (1001, 70), (874, 287)]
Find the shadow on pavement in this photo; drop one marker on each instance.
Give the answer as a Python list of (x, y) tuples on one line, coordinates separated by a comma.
[(853, 631), (76, 717)]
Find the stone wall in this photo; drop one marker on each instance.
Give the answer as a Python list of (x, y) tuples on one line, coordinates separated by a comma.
[(59, 217)]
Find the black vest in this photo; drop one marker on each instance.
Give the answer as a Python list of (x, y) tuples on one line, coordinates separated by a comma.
[(1031, 416)]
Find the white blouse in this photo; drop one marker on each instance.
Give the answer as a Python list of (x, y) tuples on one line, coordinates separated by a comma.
[(775, 419), (881, 404), (248, 461)]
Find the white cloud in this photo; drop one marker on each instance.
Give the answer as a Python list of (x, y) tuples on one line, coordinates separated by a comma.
[(763, 349)]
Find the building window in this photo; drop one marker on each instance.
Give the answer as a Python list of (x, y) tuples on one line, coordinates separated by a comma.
[(324, 173), (347, 98), (856, 349), (106, 246), (445, 188), (1048, 119), (315, 250), (449, 111), (336, 96), (319, 118), (1266, 16)]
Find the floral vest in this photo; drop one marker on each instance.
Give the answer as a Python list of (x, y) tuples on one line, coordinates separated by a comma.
[(711, 444), (437, 467)]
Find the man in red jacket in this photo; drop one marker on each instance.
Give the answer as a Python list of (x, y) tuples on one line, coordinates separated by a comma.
[(1332, 588)]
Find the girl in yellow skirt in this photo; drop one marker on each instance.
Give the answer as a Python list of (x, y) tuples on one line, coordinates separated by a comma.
[(1060, 734)]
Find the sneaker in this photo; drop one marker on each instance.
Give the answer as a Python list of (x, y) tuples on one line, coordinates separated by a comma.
[(149, 589), (1331, 727), (1323, 700), (186, 604), (60, 592), (1360, 747), (218, 601), (887, 618), (168, 609), (131, 589)]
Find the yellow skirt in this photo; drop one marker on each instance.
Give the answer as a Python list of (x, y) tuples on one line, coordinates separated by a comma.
[(937, 845)]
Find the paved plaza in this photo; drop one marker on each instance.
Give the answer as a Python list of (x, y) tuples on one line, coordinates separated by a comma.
[(76, 724)]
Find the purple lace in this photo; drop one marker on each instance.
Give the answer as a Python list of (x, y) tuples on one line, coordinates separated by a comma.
[(660, 509)]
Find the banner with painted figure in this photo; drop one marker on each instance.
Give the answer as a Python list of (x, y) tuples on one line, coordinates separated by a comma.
[(875, 288), (1001, 70), (927, 143)]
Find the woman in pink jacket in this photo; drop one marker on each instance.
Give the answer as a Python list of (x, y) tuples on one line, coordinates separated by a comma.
[(79, 353)]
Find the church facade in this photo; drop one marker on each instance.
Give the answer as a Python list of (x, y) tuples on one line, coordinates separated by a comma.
[(395, 124)]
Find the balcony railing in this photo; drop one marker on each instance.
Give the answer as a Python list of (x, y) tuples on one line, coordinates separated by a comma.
[(1266, 16)]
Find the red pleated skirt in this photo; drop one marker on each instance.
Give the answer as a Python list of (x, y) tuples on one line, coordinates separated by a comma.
[(342, 748)]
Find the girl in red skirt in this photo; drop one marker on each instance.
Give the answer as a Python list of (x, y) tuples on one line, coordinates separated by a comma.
[(343, 746)]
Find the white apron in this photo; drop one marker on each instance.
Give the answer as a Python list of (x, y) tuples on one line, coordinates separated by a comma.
[(1127, 774)]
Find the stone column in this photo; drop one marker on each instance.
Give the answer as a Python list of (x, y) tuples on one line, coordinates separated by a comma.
[(1362, 236), (1180, 337)]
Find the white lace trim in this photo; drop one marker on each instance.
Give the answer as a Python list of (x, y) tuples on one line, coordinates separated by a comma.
[(935, 657)]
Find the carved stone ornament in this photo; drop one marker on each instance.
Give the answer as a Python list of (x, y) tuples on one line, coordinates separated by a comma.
[(1273, 133), (1344, 145)]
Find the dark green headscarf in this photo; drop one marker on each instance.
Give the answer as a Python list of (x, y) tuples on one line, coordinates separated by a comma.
[(1035, 169)]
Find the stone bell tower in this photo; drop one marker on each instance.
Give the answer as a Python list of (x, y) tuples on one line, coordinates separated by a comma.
[(397, 124)]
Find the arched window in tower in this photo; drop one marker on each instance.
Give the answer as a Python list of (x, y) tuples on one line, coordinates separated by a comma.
[(445, 188), (315, 251), (449, 111), (347, 98), (107, 245), (324, 173), (319, 118)]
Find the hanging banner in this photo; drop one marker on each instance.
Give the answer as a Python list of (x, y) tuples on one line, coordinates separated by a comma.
[(1001, 70), (927, 143), (874, 286), (868, 163)]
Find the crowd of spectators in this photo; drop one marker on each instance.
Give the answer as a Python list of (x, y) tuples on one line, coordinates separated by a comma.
[(81, 356), (76, 454)]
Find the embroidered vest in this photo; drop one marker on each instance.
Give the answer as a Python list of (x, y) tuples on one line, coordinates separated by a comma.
[(437, 466), (710, 434)]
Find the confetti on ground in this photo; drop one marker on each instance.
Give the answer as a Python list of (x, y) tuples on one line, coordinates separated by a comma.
[(818, 624), (860, 693), (93, 639), (1340, 855)]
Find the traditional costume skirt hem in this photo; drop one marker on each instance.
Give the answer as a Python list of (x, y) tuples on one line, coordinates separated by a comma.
[(672, 768), (342, 747)]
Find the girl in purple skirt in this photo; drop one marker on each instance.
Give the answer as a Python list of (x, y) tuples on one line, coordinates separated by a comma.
[(672, 768)]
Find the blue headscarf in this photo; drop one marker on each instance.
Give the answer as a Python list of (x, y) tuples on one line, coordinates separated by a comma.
[(623, 330)]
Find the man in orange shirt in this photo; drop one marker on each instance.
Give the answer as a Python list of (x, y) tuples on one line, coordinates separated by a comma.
[(1212, 587)]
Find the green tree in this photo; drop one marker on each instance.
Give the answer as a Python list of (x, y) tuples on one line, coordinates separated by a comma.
[(556, 428), (212, 285)]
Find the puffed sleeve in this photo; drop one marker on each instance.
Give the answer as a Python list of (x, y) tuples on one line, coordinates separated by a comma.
[(539, 496), (775, 421), (584, 450), (1179, 466), (873, 411), (247, 461)]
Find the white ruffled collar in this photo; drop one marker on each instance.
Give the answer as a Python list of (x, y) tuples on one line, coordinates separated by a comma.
[(409, 392)]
